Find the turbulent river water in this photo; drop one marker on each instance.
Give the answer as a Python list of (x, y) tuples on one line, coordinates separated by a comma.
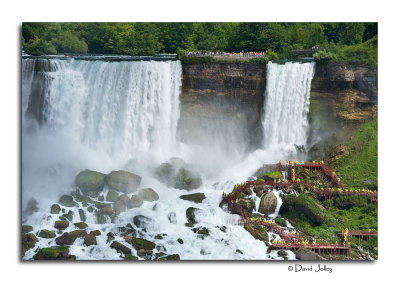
[(102, 115)]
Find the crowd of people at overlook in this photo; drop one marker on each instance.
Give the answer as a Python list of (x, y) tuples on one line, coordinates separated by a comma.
[(225, 54)]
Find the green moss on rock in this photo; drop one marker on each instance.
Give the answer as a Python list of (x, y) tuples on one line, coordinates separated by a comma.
[(54, 253), (120, 248), (61, 224), (123, 181), (139, 243), (26, 229), (67, 201), (44, 233), (112, 195), (81, 225), (90, 181), (148, 194), (135, 202), (196, 197), (55, 209)]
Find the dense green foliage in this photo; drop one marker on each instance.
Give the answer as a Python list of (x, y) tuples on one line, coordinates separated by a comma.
[(359, 169), (336, 41)]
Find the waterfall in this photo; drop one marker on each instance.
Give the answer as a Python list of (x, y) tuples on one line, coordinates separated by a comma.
[(118, 108), (287, 103)]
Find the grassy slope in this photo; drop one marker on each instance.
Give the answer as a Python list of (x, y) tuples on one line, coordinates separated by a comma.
[(362, 162)]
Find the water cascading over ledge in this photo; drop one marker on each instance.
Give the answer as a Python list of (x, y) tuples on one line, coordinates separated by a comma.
[(286, 106), (123, 107)]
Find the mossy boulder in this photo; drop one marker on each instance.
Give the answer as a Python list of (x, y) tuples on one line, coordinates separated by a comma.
[(81, 225), (68, 238), (268, 204), (28, 242), (68, 216), (165, 173), (123, 181), (101, 218), (170, 257), (55, 209), (130, 257), (61, 224), (101, 198), (257, 231), (90, 182), (112, 195), (135, 202), (273, 175), (148, 194), (44, 233), (248, 204), (119, 206), (120, 248), (26, 229), (124, 198), (140, 243), (279, 220), (54, 253), (303, 207), (90, 239), (67, 201), (82, 214), (196, 197), (95, 232), (187, 180)]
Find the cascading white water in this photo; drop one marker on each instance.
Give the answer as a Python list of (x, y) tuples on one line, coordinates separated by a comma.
[(98, 114), (287, 103), (119, 108)]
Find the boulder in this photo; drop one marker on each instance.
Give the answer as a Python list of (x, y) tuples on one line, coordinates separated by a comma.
[(303, 207), (55, 209), (268, 204), (124, 198), (140, 243), (307, 254), (44, 233), (119, 206), (135, 202), (90, 182), (170, 257), (101, 218), (130, 257), (81, 225), (28, 242), (123, 181), (61, 224), (196, 197), (82, 214), (90, 239), (112, 195), (257, 231), (95, 232), (187, 180), (120, 248), (67, 201), (54, 253), (248, 204), (148, 195), (165, 173), (26, 229), (268, 176), (68, 238)]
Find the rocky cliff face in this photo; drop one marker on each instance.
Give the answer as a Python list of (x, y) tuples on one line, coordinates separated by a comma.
[(222, 99), (351, 89), (343, 96)]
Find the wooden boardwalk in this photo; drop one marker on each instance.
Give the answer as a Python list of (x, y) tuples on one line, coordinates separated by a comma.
[(290, 240)]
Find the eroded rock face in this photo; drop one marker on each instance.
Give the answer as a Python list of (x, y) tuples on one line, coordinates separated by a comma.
[(221, 91), (337, 153)]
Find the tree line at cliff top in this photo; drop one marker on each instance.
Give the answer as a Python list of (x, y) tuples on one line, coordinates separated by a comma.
[(336, 41)]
